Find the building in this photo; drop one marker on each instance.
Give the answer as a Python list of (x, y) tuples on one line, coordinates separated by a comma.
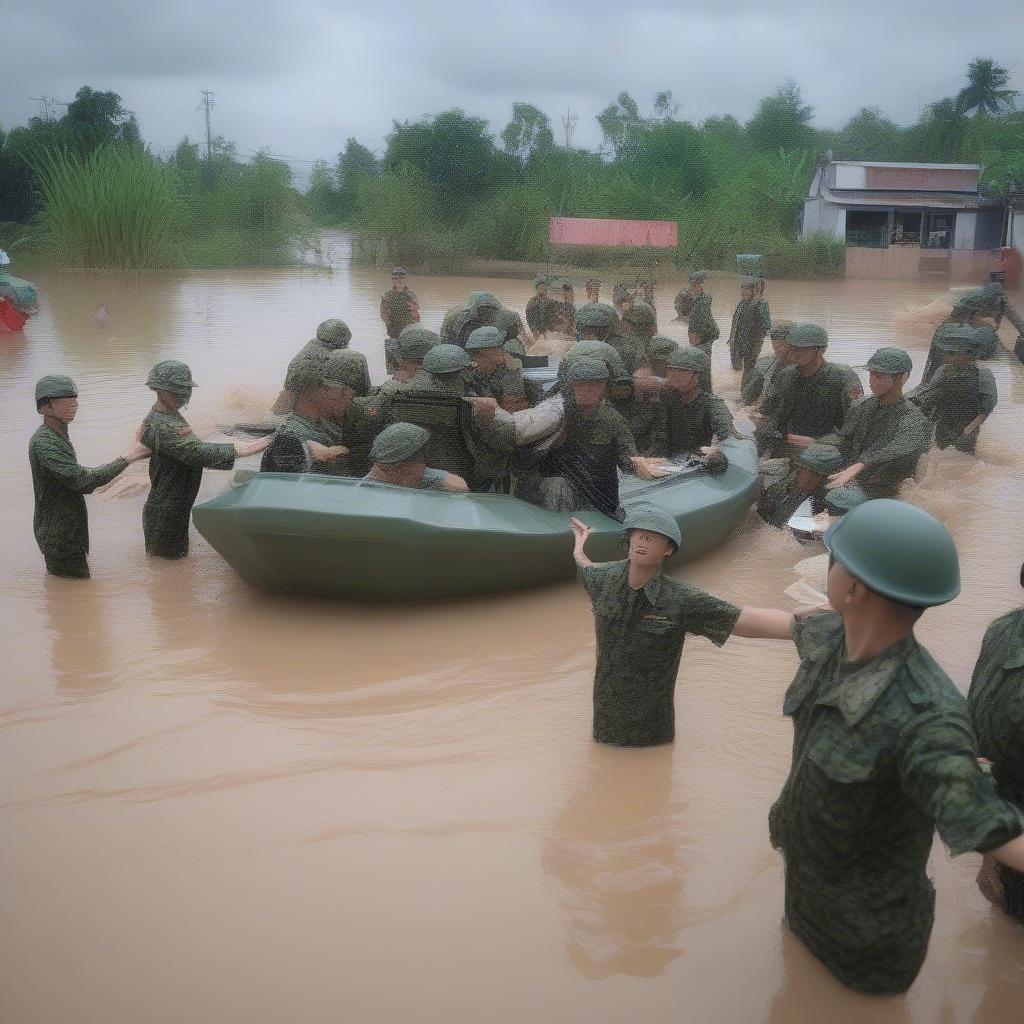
[(904, 220)]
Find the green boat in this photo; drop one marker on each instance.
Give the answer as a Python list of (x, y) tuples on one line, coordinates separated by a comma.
[(330, 536)]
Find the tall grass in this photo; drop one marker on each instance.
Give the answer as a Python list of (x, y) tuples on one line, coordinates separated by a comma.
[(116, 208)]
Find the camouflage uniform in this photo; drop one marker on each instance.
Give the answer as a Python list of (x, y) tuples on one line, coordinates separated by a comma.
[(955, 397), (751, 321), (59, 485), (780, 496), (640, 635), (398, 310), (537, 313), (812, 406), (647, 420), (764, 370), (289, 450), (996, 702), (883, 754), (702, 323), (332, 336), (683, 304), (693, 425)]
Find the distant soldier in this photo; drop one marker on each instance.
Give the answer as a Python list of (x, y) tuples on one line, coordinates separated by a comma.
[(562, 312), (884, 436), (961, 396), (479, 310), (593, 287), (647, 286), (59, 483), (399, 306), (703, 330), (629, 335), (412, 345), (398, 454), (683, 303), (787, 484), (810, 399), (537, 307), (751, 322), (760, 384), (696, 416), (622, 299), (331, 336), (178, 460), (647, 418)]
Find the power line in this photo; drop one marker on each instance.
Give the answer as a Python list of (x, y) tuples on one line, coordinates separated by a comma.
[(207, 105)]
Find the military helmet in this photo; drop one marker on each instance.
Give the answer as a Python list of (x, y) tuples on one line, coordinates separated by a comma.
[(347, 368), (641, 314), (171, 375), (890, 360), (620, 293), (698, 277), (446, 359), (507, 321), (414, 341), (956, 338), (897, 550), (653, 519), (807, 335), (399, 442), (749, 281), (334, 333), (515, 347), (305, 375), (594, 316), (819, 458), (841, 500), (485, 337), (781, 328), (689, 358), (478, 300), (592, 349), (55, 385), (398, 271), (586, 369), (539, 280), (660, 347)]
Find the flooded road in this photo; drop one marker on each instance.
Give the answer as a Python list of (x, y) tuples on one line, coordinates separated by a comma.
[(219, 805)]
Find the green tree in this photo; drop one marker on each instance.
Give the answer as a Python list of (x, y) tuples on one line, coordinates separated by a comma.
[(528, 134), (782, 120), (322, 194), (986, 91), (619, 122), (355, 159), (94, 119), (869, 135)]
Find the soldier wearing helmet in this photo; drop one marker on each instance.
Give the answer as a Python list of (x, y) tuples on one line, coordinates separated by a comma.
[(697, 418), (399, 306), (398, 455), (751, 322)]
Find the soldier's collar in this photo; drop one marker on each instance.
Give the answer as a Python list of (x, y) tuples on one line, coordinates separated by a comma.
[(856, 687)]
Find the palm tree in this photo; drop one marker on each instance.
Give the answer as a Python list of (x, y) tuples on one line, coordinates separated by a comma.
[(986, 91)]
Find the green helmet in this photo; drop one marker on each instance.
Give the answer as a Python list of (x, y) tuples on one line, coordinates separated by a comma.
[(594, 316), (749, 281), (654, 519), (305, 375), (446, 359), (808, 335), (641, 314), (956, 338), (539, 280), (584, 368), (485, 337), (620, 293), (171, 375), (347, 368), (781, 328), (414, 341), (334, 333), (698, 277), (897, 550), (819, 458), (507, 321), (478, 300), (890, 360), (55, 385), (398, 443), (515, 347), (844, 499), (689, 358), (593, 349), (660, 347)]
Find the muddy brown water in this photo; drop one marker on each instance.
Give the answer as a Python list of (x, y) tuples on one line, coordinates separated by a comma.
[(218, 805)]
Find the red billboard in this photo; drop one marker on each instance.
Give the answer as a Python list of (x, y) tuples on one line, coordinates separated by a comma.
[(655, 234)]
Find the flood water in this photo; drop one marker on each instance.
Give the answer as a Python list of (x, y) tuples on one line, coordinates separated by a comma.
[(219, 805)]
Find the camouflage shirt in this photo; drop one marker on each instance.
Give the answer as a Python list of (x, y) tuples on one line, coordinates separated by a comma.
[(953, 398), (753, 387), (316, 349), (811, 406), (537, 313), (364, 419), (640, 635), (289, 449), (631, 347), (883, 754), (648, 423), (702, 323), (694, 424), (683, 304), (60, 521), (751, 321), (398, 310), (780, 497), (888, 439)]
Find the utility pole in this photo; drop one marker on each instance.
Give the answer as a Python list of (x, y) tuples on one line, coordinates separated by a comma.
[(569, 126), (46, 102), (207, 104)]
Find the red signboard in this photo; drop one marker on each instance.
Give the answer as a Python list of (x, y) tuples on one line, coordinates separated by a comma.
[(656, 234)]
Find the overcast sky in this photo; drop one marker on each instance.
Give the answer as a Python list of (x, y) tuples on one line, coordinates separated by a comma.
[(300, 76)]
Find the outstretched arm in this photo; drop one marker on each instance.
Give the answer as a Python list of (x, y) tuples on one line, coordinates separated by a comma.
[(580, 532), (771, 623), (1011, 854)]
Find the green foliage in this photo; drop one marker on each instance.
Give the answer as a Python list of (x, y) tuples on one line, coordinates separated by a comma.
[(528, 135), (94, 119), (782, 120), (868, 135), (986, 91)]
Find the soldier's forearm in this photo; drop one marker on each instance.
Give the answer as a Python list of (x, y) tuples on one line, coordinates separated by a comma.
[(1011, 854), (764, 624)]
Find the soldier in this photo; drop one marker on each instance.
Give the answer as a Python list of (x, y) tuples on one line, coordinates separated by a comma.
[(810, 399), (178, 460), (883, 755), (659, 349), (647, 286), (354, 422), (628, 336), (703, 330), (593, 287), (996, 702), (760, 384), (399, 306), (562, 313), (492, 375), (398, 454), (304, 443), (646, 417), (696, 416), (622, 299), (992, 302), (641, 619), (331, 336), (883, 437), (751, 321), (787, 484), (683, 303), (962, 396), (412, 345), (460, 321), (537, 307), (963, 313), (59, 483)]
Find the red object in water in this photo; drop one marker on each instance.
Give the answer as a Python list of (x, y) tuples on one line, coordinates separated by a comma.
[(11, 317), (1009, 264), (656, 234)]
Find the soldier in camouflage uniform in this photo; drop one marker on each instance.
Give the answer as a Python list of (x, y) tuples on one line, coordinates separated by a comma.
[(492, 374), (398, 454), (537, 307), (703, 330), (647, 418), (810, 397), (761, 382), (178, 460), (59, 483), (411, 346), (331, 336), (963, 313), (622, 299), (629, 335), (459, 322), (562, 311), (647, 286), (883, 437), (883, 755), (357, 421), (399, 306), (786, 485), (996, 702), (960, 397), (593, 287), (696, 417), (751, 321), (304, 442), (641, 620)]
